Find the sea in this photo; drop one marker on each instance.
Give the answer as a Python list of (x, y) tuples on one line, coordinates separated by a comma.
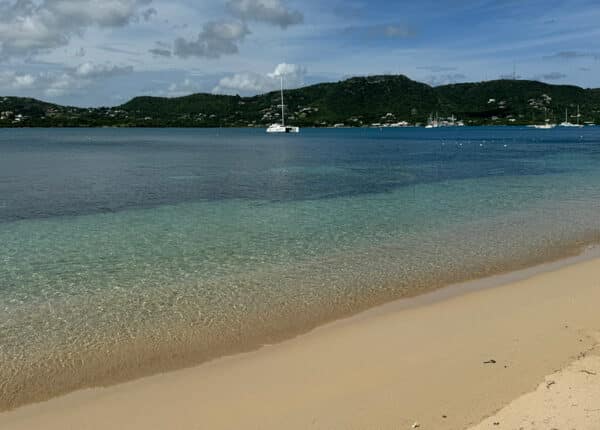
[(127, 252)]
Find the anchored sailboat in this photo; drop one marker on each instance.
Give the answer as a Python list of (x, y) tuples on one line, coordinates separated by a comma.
[(566, 123), (547, 124), (282, 128)]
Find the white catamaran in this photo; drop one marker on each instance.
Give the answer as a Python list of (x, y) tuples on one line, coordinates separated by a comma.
[(547, 124), (566, 123), (282, 128)]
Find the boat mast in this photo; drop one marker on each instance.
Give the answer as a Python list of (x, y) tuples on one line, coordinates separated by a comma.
[(282, 105)]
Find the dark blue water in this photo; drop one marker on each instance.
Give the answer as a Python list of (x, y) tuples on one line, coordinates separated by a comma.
[(46, 173)]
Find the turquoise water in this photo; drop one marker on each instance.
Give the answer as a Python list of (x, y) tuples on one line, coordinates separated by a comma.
[(126, 252)]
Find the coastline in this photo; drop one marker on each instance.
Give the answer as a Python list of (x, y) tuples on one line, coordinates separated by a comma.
[(261, 127), (143, 359), (370, 369)]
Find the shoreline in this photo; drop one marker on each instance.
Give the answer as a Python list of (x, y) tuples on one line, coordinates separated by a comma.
[(91, 372), (528, 126), (59, 408)]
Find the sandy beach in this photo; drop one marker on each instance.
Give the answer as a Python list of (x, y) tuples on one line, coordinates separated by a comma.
[(505, 352)]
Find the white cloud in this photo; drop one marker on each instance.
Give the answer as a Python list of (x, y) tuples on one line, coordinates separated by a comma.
[(23, 81), (215, 40), (91, 70), (247, 82), (223, 37), (269, 11), (29, 27), (289, 71), (255, 83), (184, 88), (54, 84)]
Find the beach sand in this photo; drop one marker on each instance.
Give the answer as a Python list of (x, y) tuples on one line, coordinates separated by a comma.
[(568, 399), (447, 360)]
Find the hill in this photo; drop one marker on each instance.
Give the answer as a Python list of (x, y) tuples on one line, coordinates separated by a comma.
[(358, 101)]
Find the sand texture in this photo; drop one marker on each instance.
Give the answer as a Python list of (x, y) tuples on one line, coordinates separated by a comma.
[(568, 399)]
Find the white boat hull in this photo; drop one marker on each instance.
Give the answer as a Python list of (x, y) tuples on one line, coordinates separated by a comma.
[(278, 128)]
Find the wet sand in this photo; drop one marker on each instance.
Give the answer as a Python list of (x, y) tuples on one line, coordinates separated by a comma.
[(446, 360)]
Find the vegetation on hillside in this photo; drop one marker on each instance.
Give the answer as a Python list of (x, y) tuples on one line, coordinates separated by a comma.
[(360, 101)]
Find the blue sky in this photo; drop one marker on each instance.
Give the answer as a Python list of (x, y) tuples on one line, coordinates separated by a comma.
[(103, 52)]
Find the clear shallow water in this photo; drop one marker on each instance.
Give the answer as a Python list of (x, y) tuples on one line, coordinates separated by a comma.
[(125, 252)]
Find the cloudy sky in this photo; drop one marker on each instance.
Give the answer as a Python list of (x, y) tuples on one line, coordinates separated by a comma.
[(103, 52)]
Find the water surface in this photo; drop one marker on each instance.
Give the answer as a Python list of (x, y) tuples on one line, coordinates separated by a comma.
[(127, 251)]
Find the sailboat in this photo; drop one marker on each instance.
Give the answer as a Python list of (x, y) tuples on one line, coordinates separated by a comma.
[(282, 128), (566, 123), (433, 123), (547, 124)]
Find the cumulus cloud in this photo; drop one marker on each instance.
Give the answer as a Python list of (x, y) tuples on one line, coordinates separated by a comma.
[(215, 40), (184, 88), (255, 83), (243, 83), (9, 79), (59, 83), (20, 81), (289, 71), (219, 38), (269, 11), (28, 27), (47, 83), (91, 70)]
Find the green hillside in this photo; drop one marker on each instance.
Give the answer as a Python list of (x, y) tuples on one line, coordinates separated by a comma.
[(359, 101)]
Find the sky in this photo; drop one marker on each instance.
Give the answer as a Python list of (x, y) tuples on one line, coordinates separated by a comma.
[(104, 52)]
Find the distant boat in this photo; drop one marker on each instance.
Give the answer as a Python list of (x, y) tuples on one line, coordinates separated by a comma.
[(566, 122), (433, 123), (547, 125), (282, 128), (544, 126)]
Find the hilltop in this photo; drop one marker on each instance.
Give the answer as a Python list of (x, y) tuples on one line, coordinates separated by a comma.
[(359, 101)]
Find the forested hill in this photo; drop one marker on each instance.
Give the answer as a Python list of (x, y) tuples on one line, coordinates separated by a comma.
[(360, 101)]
